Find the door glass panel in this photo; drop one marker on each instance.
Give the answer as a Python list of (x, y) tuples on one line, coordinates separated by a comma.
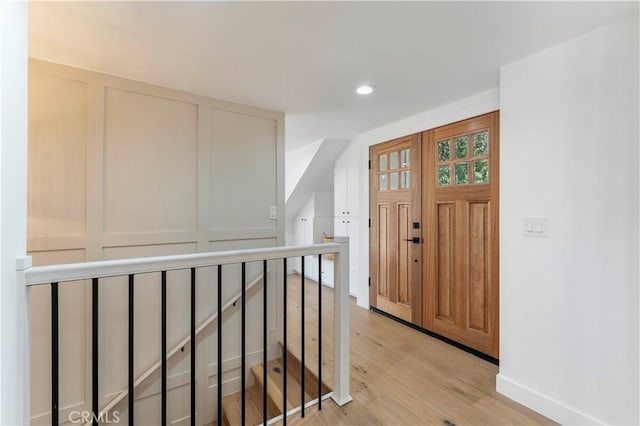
[(481, 171), (393, 180), (393, 160), (444, 153), (481, 143), (444, 175), (383, 162), (405, 179), (461, 146), (461, 173), (383, 182), (404, 158)]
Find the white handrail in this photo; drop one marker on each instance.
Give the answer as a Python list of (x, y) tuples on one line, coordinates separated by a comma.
[(38, 275)]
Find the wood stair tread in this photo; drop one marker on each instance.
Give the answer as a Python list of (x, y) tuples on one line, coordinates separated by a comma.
[(294, 362), (232, 403), (275, 368), (274, 393), (275, 386), (232, 408)]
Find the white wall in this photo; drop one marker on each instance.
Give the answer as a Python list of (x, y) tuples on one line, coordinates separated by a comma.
[(13, 159), (121, 169), (314, 219), (308, 170), (569, 303), (296, 162), (356, 156)]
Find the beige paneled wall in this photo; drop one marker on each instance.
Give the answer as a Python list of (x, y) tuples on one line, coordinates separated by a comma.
[(57, 200), (121, 169), (159, 137), (233, 135)]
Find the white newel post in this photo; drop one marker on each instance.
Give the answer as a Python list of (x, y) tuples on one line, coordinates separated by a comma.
[(341, 328), (24, 328)]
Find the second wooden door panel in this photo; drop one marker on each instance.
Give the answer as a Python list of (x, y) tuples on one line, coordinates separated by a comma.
[(461, 295)]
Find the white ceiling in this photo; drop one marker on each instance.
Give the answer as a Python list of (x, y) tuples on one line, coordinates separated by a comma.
[(306, 58)]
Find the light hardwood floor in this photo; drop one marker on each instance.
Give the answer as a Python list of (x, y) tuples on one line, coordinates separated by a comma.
[(399, 376)]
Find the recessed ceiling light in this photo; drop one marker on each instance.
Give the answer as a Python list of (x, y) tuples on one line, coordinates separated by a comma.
[(365, 89)]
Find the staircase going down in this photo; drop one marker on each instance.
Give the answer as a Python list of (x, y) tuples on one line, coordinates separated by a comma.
[(231, 404)]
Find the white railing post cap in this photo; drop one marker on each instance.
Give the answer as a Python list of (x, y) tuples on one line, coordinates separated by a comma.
[(24, 263)]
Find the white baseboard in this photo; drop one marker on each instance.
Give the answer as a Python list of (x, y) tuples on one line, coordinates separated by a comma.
[(548, 407)]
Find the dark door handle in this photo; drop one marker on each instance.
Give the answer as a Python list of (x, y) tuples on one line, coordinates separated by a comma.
[(414, 240)]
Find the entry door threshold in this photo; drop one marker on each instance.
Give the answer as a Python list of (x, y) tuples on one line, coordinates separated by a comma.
[(458, 345)]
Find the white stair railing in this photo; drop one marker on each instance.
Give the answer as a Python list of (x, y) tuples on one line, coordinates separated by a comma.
[(59, 274)]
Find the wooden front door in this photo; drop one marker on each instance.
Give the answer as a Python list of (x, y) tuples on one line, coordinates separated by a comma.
[(395, 234), (460, 213)]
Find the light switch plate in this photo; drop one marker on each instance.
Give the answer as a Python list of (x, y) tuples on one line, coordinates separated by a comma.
[(536, 227), (273, 212)]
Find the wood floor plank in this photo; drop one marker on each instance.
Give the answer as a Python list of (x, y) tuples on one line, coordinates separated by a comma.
[(400, 375)]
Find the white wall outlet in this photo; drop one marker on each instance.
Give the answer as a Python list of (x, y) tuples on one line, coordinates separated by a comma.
[(536, 227), (273, 212)]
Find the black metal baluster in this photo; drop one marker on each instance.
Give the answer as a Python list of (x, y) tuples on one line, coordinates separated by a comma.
[(219, 345), (193, 346), (164, 348), (131, 360), (284, 353), (54, 354), (302, 339), (264, 342), (319, 332), (243, 344), (94, 351)]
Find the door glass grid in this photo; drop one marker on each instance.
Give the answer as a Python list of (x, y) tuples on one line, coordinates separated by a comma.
[(383, 182), (383, 162), (393, 180), (461, 146), (444, 175), (394, 170), (405, 179), (393, 160), (463, 159), (404, 158)]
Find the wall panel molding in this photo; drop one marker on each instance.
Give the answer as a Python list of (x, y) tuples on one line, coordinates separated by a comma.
[(121, 168)]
